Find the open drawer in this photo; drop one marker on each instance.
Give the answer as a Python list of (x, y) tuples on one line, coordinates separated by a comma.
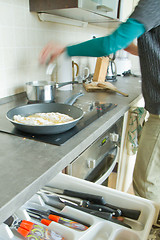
[(100, 229)]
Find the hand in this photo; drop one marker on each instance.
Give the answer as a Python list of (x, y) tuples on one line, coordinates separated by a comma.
[(50, 52)]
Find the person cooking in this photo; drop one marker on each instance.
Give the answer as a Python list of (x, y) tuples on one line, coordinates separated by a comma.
[(143, 24)]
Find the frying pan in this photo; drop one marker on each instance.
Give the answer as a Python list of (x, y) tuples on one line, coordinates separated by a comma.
[(26, 110)]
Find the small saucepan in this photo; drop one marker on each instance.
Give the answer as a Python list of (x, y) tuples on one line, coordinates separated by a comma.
[(43, 91)]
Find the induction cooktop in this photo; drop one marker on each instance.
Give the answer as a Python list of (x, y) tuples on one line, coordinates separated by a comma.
[(92, 111)]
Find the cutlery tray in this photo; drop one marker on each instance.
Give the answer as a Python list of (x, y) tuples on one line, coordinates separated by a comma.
[(99, 229)]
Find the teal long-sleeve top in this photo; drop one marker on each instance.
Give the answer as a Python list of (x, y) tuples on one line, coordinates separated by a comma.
[(103, 46)]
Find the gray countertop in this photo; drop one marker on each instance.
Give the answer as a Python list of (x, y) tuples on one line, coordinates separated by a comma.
[(27, 165)]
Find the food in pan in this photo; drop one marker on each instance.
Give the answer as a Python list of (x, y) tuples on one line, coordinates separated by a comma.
[(39, 119)]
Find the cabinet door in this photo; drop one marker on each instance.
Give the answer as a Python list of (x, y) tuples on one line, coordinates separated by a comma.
[(135, 2), (107, 8), (113, 5), (126, 9)]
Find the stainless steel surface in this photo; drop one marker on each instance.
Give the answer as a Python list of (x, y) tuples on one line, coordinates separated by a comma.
[(91, 163), (28, 165), (98, 161), (76, 200), (43, 91), (40, 91), (112, 69), (114, 137)]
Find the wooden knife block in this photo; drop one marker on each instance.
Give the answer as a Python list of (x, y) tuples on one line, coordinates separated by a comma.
[(101, 69)]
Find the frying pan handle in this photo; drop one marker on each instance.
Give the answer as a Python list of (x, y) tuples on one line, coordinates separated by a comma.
[(73, 98)]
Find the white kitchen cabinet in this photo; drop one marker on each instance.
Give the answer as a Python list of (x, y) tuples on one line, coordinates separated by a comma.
[(87, 11), (135, 2), (127, 6), (112, 5), (126, 162)]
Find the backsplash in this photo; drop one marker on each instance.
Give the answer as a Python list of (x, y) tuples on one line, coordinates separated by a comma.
[(23, 36)]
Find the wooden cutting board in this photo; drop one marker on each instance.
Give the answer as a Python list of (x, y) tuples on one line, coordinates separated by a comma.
[(101, 69), (97, 86)]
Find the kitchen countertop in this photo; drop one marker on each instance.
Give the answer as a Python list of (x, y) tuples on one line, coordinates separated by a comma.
[(27, 165)]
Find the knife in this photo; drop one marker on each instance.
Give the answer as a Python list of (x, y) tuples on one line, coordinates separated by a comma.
[(125, 212), (87, 204), (72, 199), (106, 216), (55, 200), (90, 197), (101, 208)]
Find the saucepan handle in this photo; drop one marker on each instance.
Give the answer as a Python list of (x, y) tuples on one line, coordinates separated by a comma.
[(58, 85)]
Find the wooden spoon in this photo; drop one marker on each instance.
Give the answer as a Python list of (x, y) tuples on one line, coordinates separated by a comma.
[(110, 86)]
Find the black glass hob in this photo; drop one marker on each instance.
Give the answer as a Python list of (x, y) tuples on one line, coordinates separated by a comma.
[(92, 111)]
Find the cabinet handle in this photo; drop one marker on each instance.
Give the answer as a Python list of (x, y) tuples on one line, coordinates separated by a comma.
[(104, 8)]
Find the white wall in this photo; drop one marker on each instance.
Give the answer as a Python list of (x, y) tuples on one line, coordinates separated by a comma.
[(22, 36)]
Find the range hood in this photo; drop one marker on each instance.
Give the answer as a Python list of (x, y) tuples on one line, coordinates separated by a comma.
[(90, 11)]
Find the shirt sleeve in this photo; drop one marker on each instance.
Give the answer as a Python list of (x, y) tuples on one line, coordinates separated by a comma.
[(147, 12), (104, 46)]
